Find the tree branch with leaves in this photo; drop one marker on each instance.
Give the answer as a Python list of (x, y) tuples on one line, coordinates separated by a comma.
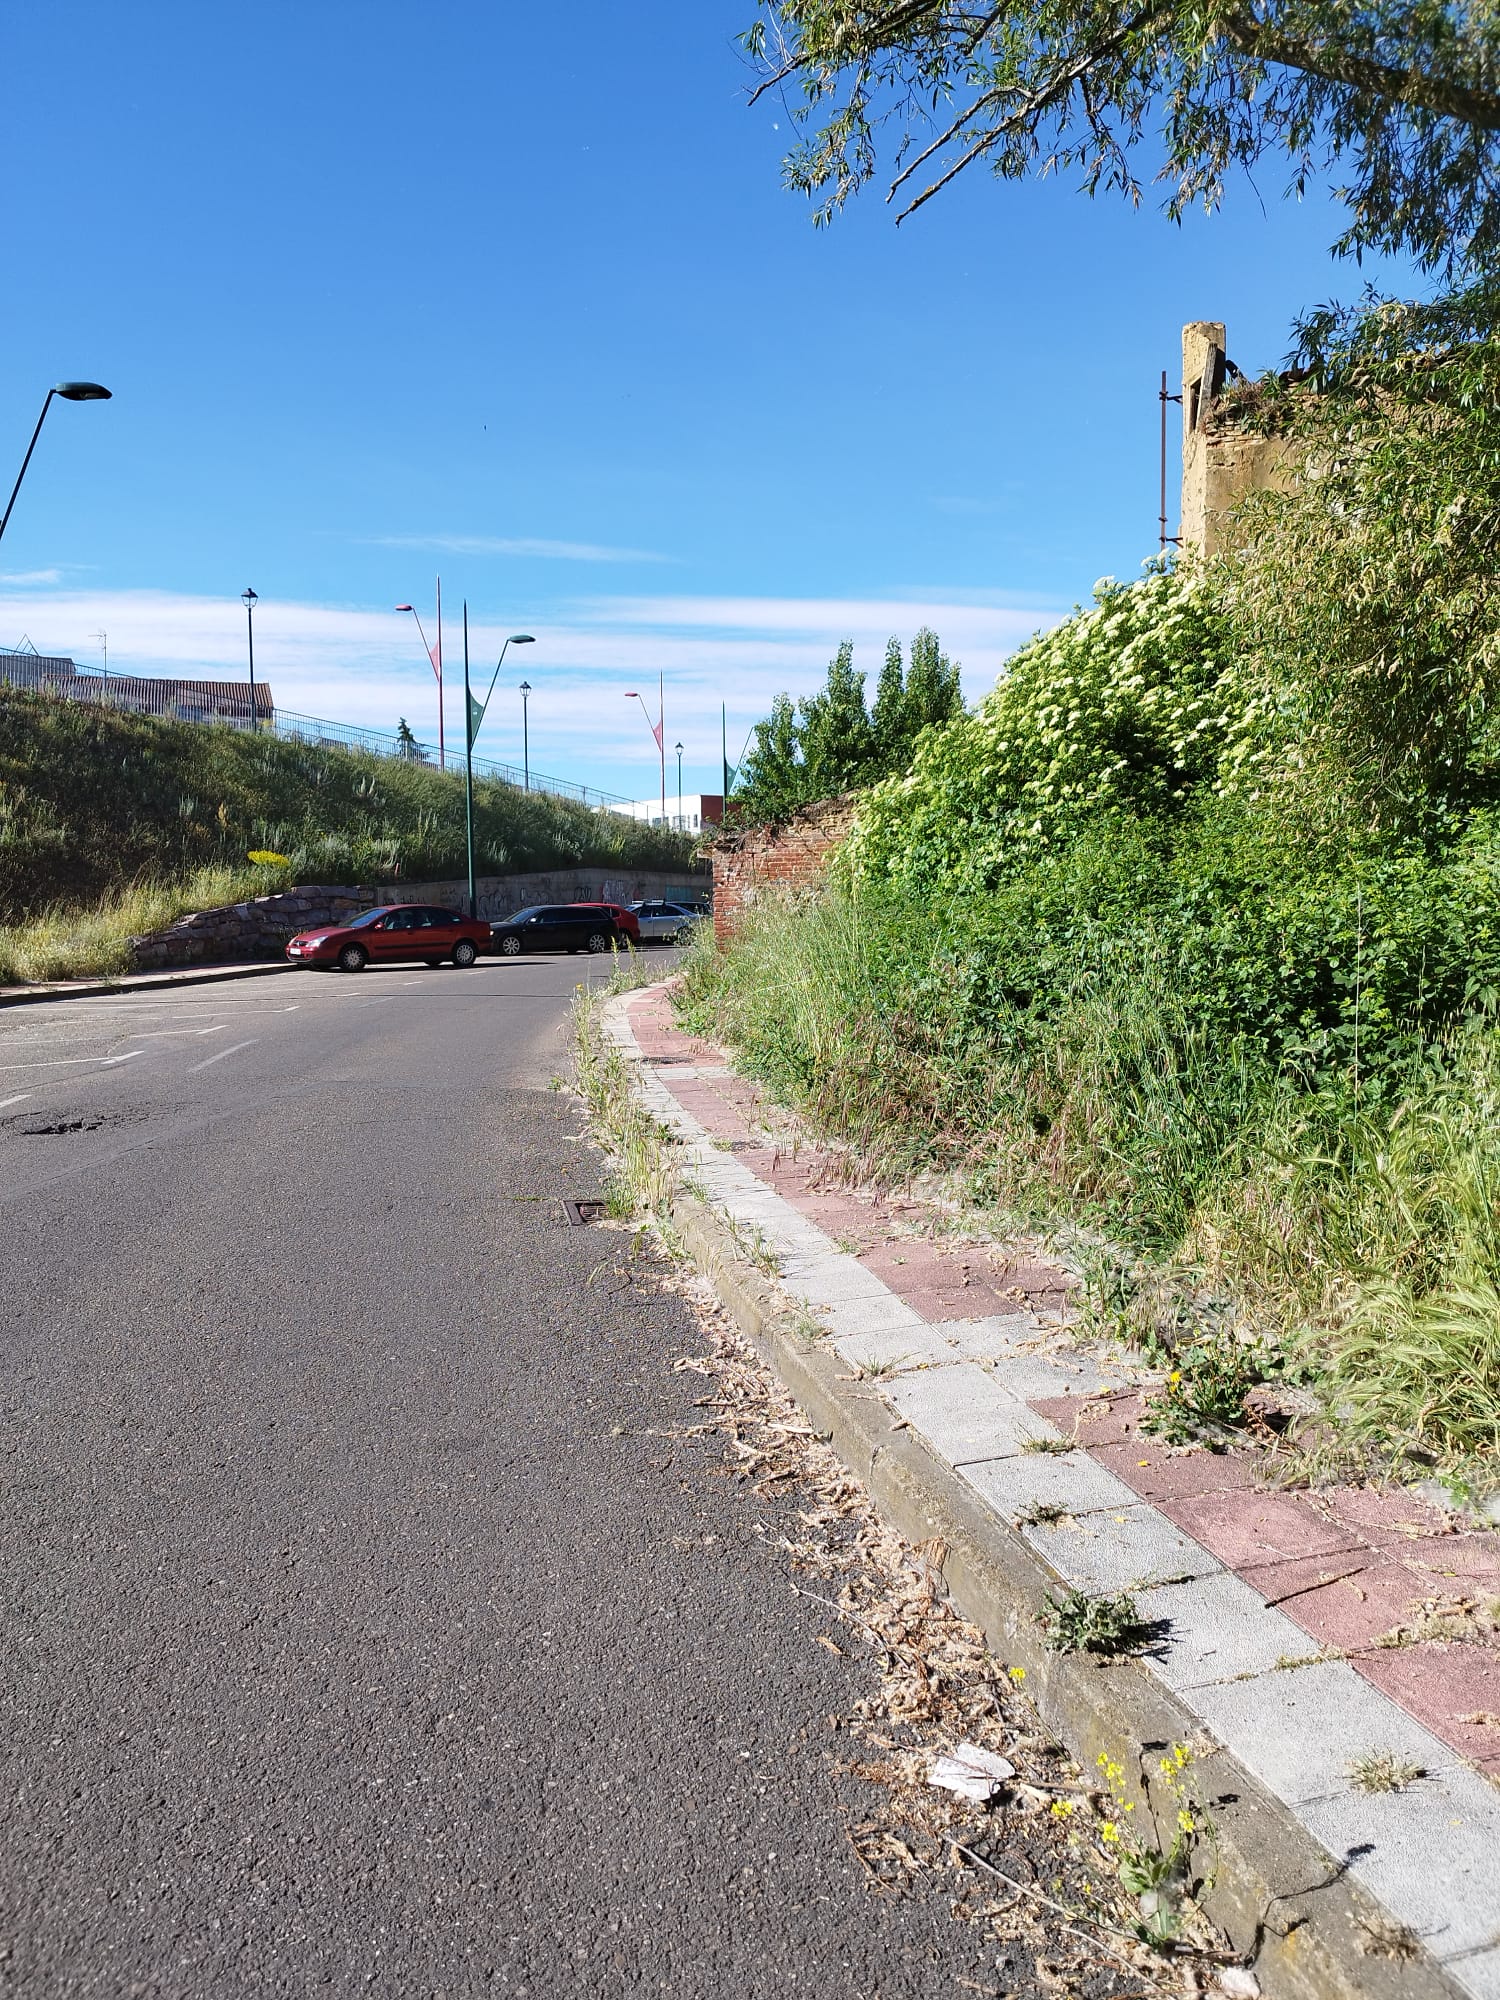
[(1399, 103)]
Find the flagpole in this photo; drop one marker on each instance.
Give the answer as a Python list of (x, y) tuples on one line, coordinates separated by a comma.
[(438, 663), (469, 766), (661, 736)]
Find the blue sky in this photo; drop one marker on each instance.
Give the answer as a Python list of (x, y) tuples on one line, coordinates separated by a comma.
[(517, 296)]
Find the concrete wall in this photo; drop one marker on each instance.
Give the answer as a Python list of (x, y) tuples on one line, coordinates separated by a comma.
[(260, 929), (762, 859), (1222, 460)]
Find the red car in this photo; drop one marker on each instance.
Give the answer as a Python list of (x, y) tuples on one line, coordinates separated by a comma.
[(624, 920), (393, 931)]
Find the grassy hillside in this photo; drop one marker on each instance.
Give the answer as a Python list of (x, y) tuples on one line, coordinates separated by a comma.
[(93, 802)]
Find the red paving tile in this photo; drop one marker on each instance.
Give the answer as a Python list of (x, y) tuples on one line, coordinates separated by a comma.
[(1459, 1563), (1247, 1530), (955, 1302), (1383, 1513), (1454, 1690), (1159, 1475), (1094, 1420), (1346, 1599)]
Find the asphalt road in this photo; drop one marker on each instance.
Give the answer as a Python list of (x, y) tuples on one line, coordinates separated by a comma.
[(363, 1632)]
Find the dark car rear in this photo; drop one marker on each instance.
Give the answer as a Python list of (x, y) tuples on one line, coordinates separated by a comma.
[(555, 927)]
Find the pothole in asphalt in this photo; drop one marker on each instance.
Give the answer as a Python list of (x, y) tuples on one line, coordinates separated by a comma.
[(36, 1128)]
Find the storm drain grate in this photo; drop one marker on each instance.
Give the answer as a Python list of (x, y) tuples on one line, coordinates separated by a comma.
[(580, 1212)]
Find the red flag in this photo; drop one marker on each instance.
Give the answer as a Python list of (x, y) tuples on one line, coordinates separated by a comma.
[(656, 731), (437, 661)]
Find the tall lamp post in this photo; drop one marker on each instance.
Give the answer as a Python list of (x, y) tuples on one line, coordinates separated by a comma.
[(71, 392), (525, 693), (249, 599), (473, 717), (679, 787), (435, 661), (658, 730)]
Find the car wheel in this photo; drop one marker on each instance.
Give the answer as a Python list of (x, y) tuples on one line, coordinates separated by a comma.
[(464, 954), (510, 947), (598, 941), (353, 958)]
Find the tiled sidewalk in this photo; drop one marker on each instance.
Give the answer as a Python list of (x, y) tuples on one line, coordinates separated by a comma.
[(1273, 1605)]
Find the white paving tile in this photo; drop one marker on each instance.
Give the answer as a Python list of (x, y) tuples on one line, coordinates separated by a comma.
[(1070, 1480), (826, 1281), (1477, 1973), (1430, 1856), (963, 1414), (872, 1314), (1218, 1628), (897, 1347), (1300, 1729), (1111, 1551)]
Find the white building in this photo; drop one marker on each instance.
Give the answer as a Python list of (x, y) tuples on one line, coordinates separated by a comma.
[(688, 814)]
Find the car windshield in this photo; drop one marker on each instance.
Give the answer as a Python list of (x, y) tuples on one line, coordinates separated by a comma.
[(521, 915), (367, 917)]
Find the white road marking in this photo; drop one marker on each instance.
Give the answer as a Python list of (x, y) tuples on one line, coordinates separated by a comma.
[(160, 1034), (210, 1060), (73, 1062), (17, 1099)]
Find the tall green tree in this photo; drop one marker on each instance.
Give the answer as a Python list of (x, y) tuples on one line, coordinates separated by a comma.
[(838, 743), (831, 742), (1399, 99)]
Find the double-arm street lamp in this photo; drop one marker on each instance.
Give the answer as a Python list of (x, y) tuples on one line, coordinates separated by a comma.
[(71, 392), (473, 717)]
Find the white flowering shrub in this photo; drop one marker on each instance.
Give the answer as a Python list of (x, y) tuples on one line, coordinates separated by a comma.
[(1130, 704)]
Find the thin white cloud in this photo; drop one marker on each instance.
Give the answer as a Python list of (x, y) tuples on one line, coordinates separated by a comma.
[(24, 576), (366, 667), (518, 545)]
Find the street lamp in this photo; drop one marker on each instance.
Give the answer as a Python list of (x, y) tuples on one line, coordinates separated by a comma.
[(249, 599), (658, 730), (525, 693), (473, 717), (678, 748), (71, 392), (435, 661)]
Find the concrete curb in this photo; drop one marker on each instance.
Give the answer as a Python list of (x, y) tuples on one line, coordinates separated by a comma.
[(137, 982), (1294, 1914)]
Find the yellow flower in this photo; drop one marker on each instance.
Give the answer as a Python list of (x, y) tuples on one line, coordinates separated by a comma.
[(1016, 1673), (264, 858), (1186, 1821), (1062, 1808), (1110, 1832), (1174, 1378)]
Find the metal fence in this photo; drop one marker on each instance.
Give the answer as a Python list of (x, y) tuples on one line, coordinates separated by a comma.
[(228, 704)]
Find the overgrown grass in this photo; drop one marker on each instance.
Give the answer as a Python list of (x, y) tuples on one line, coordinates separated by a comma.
[(95, 941), (1353, 1216), (92, 802)]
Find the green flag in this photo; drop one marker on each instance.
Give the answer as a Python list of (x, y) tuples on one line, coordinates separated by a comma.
[(476, 716)]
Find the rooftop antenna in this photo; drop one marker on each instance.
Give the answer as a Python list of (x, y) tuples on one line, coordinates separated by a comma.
[(103, 638)]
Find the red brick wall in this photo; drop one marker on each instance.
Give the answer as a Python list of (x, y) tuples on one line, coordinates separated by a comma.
[(779, 858)]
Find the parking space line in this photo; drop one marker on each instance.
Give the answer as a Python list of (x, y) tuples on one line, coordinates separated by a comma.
[(209, 1061)]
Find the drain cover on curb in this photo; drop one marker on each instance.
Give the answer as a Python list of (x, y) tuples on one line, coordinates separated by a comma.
[(585, 1211)]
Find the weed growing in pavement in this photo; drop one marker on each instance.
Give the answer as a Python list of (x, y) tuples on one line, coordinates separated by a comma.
[(1041, 1514), (1206, 1389), (1159, 1876), (1081, 1621), (1383, 1771), (643, 1175), (1056, 1446)]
